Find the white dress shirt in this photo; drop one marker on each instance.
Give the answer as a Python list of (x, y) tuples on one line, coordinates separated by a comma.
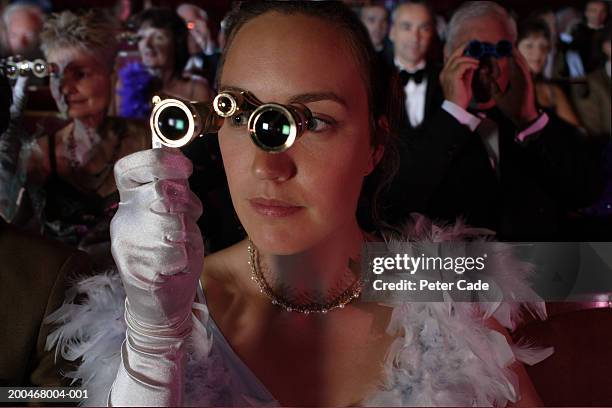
[(415, 95)]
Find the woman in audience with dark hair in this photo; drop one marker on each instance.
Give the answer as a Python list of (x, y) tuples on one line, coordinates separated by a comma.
[(162, 44), (282, 322), (534, 43), (72, 170)]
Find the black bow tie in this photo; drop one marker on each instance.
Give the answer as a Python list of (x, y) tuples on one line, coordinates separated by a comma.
[(417, 76)]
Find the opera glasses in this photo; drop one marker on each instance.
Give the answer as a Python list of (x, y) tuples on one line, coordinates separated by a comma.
[(129, 37), (480, 50), (273, 127), (175, 122), (14, 67)]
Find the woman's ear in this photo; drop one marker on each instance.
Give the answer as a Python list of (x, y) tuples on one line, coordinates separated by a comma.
[(378, 149)]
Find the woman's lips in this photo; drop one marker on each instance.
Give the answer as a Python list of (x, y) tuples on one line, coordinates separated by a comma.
[(273, 208), (75, 101)]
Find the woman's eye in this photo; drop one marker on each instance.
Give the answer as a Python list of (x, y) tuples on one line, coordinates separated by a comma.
[(240, 119), (319, 124)]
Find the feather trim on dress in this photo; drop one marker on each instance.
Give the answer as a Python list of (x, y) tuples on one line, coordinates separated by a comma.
[(443, 354)]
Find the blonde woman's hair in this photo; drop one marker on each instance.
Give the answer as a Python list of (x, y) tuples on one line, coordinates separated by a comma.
[(93, 31)]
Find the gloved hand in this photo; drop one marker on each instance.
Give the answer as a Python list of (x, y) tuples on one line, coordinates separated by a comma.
[(15, 150), (156, 243), (20, 97), (159, 252)]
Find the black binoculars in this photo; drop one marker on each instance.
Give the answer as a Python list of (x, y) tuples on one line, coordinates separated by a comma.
[(14, 67), (272, 127), (480, 50)]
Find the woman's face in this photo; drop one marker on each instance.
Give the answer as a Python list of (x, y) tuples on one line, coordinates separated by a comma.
[(83, 87), (292, 201), (156, 47), (535, 49)]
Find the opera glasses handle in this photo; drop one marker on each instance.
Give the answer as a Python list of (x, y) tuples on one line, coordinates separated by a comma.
[(14, 68), (273, 127)]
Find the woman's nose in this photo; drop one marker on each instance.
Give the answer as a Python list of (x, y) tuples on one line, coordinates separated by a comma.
[(276, 167), (146, 42), (65, 86)]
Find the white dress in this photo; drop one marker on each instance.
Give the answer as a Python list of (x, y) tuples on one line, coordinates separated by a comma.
[(445, 355)]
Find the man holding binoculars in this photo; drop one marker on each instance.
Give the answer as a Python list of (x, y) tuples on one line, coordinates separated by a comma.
[(489, 155)]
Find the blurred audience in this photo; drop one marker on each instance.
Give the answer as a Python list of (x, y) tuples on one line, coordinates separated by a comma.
[(534, 44), (593, 103), (445, 173), (204, 55), (562, 61), (125, 9), (222, 34), (35, 275), (24, 23), (162, 45), (70, 172), (567, 19), (584, 34), (413, 35), (375, 18), (488, 155)]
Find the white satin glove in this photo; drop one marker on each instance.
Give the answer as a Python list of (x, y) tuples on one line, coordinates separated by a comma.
[(159, 252), (20, 97), (15, 150)]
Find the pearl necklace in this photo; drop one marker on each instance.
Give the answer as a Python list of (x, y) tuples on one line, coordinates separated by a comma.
[(350, 294)]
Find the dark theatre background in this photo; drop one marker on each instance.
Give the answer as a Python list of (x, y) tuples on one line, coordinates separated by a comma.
[(216, 9)]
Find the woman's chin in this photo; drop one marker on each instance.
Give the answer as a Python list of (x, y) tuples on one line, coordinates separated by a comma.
[(281, 242), (87, 116)]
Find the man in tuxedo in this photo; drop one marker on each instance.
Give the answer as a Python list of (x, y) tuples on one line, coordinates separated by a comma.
[(413, 36), (375, 18), (585, 34), (487, 154)]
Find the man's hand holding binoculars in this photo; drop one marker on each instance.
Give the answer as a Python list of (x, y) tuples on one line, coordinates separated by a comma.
[(456, 77), (517, 103), (476, 61)]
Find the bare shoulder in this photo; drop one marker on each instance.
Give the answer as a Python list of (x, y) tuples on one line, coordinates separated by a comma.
[(226, 267), (223, 279)]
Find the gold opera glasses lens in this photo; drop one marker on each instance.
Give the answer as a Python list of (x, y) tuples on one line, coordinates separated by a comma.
[(176, 122), (272, 127), (14, 67), (275, 128)]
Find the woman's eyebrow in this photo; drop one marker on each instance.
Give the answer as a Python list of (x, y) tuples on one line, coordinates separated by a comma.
[(301, 98), (316, 97)]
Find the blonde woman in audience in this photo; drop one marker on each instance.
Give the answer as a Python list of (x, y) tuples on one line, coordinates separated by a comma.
[(73, 168)]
